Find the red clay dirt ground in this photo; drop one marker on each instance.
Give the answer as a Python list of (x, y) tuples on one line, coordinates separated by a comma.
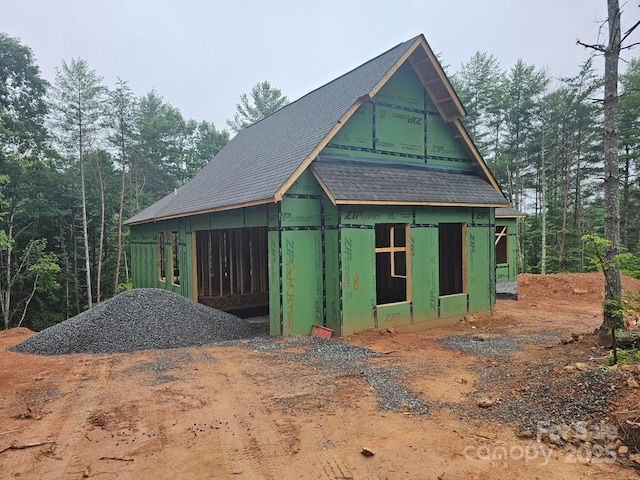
[(234, 412)]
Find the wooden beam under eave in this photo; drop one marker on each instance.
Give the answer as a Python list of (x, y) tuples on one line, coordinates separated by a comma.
[(421, 204)]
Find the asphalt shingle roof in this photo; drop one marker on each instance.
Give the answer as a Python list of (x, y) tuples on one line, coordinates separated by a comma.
[(262, 157), (407, 184), (509, 213), (259, 161)]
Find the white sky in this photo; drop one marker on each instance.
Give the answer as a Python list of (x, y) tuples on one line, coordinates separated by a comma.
[(202, 55)]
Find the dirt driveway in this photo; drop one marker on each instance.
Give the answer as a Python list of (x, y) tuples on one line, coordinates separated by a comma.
[(464, 401)]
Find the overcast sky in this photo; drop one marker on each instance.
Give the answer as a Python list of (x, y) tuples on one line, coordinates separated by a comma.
[(202, 55)]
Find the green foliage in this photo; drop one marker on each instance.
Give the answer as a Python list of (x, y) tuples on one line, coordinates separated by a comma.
[(624, 356), (265, 99), (46, 319), (627, 262), (123, 287)]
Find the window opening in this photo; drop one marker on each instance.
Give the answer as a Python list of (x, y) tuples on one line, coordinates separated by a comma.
[(392, 263), (175, 261), (502, 236), (162, 267), (451, 258)]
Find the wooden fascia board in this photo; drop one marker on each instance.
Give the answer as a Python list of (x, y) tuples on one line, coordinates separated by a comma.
[(424, 204), (476, 157), (314, 153), (323, 186), (202, 212)]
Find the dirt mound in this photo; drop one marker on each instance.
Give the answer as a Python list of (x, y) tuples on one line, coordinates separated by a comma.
[(567, 285)]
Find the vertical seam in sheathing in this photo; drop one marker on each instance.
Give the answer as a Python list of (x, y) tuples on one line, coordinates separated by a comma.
[(373, 128), (280, 270), (324, 264), (341, 327), (424, 104)]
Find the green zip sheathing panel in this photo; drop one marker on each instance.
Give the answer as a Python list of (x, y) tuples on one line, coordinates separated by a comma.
[(300, 212), (393, 315), (370, 215), (479, 268), (506, 273), (357, 132), (404, 89), (442, 143), (275, 307), (399, 124), (399, 131), (453, 305), (358, 283), (332, 280), (302, 290), (424, 273), (145, 248), (435, 215), (145, 255), (275, 269), (306, 184)]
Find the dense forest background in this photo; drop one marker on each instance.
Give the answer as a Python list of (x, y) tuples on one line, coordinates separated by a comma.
[(77, 157)]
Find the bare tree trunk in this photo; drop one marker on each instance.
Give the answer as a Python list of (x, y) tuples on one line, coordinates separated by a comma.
[(543, 207), (613, 287), (624, 219), (102, 226), (85, 229), (5, 295), (565, 208), (120, 211)]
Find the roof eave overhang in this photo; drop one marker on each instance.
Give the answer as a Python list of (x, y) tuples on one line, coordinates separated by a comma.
[(417, 203), (204, 211)]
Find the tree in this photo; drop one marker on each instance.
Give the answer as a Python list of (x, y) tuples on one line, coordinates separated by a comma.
[(265, 100), (476, 84), (24, 263), (611, 51), (123, 139), (629, 120), (79, 98)]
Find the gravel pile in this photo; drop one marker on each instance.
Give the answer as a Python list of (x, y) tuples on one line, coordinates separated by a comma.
[(139, 319)]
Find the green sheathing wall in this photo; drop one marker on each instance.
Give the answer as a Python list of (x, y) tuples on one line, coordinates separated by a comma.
[(506, 273), (297, 284), (399, 124), (357, 263), (275, 270), (144, 257), (479, 268), (358, 283), (331, 265), (424, 272)]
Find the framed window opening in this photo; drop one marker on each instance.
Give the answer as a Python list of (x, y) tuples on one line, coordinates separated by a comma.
[(502, 243), (175, 260), (393, 272), (452, 258), (162, 265)]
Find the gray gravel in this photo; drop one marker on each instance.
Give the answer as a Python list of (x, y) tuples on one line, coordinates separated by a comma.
[(140, 319), (336, 357), (501, 348)]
